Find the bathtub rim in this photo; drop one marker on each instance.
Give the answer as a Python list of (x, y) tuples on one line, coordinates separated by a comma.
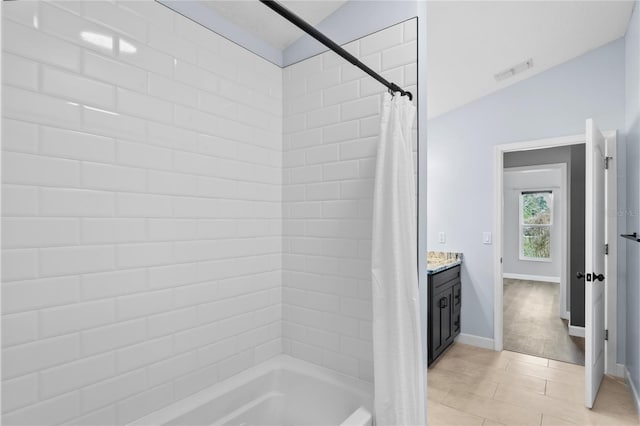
[(280, 362)]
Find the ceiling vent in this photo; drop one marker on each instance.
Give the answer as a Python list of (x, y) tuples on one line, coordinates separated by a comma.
[(516, 69)]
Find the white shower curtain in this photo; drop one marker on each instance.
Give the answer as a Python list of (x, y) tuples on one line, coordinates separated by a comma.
[(398, 366)]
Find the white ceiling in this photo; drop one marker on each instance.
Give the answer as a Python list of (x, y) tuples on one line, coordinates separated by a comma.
[(264, 23), (469, 42)]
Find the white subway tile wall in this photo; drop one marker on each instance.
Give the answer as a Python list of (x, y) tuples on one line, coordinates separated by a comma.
[(331, 125), (142, 224)]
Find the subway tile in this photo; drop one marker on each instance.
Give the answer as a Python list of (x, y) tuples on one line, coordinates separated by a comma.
[(77, 88), (117, 18), (171, 322), (24, 13), (144, 403), (30, 106), (52, 411), (35, 232), (143, 205), (172, 368), (147, 254), (323, 117), (147, 58), (37, 294), (64, 319), (144, 354), (76, 260), (161, 39), (64, 143), (116, 283), (75, 29), (19, 328), (322, 154), (112, 71), (19, 264), (39, 46), (361, 108), (114, 336), (136, 104), (24, 359), (107, 177), (399, 55), (19, 136), (382, 40), (19, 392), (18, 200), (115, 124), (19, 72), (144, 156), (75, 202), (28, 169), (172, 276), (112, 390), (172, 91), (76, 374), (105, 231), (143, 304)]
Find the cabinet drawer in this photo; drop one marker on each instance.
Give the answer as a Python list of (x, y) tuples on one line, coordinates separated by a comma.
[(442, 278)]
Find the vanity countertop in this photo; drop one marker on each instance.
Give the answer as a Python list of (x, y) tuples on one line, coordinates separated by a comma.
[(438, 261)]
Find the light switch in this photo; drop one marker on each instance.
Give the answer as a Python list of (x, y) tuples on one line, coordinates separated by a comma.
[(442, 238), (486, 238)]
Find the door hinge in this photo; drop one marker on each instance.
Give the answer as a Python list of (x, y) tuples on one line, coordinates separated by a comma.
[(606, 249), (606, 162), (606, 335)]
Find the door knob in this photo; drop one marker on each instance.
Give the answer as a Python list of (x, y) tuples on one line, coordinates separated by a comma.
[(598, 277), (579, 275)]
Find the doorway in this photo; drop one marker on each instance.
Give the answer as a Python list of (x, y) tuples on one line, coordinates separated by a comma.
[(540, 187), (605, 309)]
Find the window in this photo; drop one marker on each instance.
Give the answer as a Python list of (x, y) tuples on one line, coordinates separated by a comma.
[(536, 215)]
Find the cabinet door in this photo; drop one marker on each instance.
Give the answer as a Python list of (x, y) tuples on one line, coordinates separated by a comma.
[(443, 314)]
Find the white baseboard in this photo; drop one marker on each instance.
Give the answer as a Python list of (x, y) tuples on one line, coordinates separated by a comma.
[(634, 391), (576, 331), (543, 278), (620, 370), (470, 339)]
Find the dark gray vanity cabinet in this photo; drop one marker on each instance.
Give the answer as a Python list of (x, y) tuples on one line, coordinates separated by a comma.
[(444, 299)]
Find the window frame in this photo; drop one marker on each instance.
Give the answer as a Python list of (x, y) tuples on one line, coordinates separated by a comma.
[(522, 225)]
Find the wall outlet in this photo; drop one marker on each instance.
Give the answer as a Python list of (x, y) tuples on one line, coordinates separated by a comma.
[(442, 237), (486, 238)]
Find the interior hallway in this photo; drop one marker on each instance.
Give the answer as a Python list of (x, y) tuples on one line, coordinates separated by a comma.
[(532, 324), (472, 386)]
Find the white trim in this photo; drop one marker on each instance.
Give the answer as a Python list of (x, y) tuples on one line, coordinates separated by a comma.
[(611, 260), (634, 391), (574, 330), (472, 340), (499, 150), (542, 278), (620, 370)]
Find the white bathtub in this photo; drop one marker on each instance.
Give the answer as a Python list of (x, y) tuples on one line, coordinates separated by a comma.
[(280, 392)]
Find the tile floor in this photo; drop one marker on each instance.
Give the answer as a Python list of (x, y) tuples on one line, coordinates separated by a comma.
[(472, 386), (532, 324)]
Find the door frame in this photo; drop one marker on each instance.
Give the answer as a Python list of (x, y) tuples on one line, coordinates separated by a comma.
[(611, 226)]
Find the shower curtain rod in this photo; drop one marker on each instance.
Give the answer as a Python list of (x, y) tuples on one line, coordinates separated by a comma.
[(309, 29)]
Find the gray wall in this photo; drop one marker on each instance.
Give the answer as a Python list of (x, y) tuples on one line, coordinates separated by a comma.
[(461, 154), (632, 213), (574, 157)]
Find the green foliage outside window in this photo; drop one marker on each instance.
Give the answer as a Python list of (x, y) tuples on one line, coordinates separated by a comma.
[(536, 225)]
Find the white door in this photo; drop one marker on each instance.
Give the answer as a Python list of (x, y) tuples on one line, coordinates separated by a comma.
[(594, 261)]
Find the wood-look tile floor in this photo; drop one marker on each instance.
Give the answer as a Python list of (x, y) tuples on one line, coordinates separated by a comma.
[(471, 386), (532, 323)]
